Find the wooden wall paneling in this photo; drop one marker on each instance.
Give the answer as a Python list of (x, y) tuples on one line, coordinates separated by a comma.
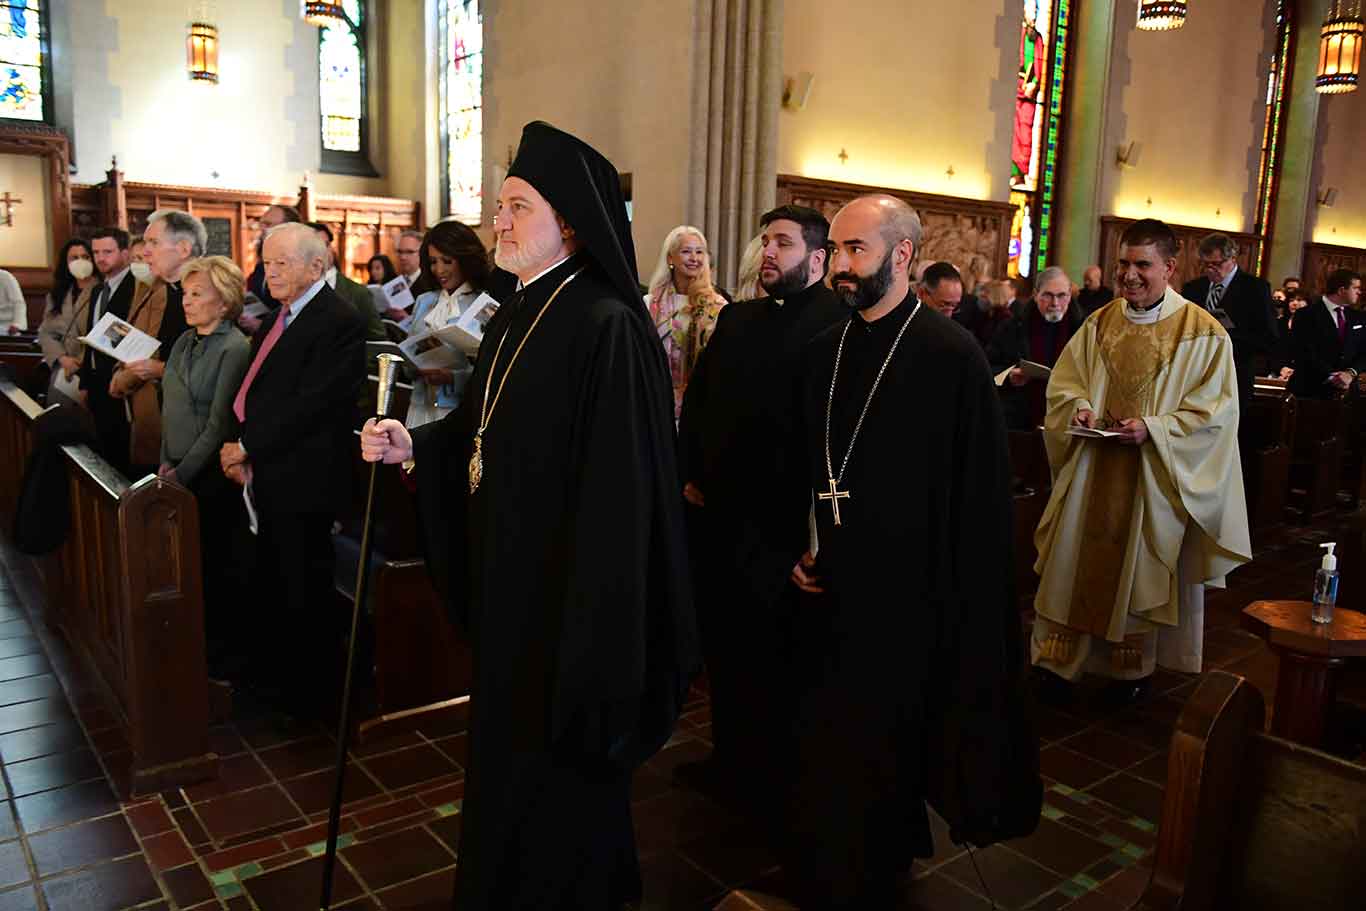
[(973, 234), (41, 141), (1188, 238), (1321, 259), (362, 225)]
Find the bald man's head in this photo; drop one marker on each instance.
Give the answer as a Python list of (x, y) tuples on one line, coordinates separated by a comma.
[(875, 240)]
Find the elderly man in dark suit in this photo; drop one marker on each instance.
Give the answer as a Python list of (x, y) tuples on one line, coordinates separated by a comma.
[(296, 410), (1328, 340), (1241, 302)]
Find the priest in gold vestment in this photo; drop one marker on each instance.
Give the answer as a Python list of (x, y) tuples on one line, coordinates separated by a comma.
[(1139, 522)]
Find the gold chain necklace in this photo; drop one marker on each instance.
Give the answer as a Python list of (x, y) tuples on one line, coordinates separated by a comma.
[(486, 407)]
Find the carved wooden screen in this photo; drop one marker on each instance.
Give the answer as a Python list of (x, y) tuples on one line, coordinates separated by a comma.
[(973, 234)]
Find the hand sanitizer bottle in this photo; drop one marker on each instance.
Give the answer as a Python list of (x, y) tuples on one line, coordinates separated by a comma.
[(1325, 587)]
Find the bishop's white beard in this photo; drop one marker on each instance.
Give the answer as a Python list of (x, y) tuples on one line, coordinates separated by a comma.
[(527, 255)]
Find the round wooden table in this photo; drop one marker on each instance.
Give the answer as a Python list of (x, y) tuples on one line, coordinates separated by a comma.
[(1310, 655)]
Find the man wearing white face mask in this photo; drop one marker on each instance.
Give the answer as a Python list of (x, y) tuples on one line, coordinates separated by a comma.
[(1038, 334)]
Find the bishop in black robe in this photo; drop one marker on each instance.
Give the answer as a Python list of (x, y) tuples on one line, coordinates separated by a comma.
[(567, 565), (741, 408), (912, 654)]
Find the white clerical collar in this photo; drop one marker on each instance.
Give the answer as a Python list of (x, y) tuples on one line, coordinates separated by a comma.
[(330, 276), (522, 284), (1145, 317)]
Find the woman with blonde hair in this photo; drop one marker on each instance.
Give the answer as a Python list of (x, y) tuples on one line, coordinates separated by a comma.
[(683, 303), (204, 369), (747, 286)]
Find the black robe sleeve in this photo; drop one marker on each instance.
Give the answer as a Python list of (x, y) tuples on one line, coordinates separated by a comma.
[(627, 658), (983, 765), (441, 452)]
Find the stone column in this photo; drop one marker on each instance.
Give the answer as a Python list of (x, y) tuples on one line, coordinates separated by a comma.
[(1077, 230), (1290, 205)]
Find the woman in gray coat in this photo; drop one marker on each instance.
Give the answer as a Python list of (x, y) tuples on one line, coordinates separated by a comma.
[(204, 369)]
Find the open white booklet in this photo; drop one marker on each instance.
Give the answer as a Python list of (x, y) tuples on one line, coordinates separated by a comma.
[(1091, 433), (447, 347), (1032, 371), (120, 340)]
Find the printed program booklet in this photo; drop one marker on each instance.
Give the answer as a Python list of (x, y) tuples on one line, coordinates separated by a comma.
[(120, 340)]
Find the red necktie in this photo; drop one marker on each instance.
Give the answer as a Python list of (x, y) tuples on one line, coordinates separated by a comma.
[(1342, 327), (239, 404)]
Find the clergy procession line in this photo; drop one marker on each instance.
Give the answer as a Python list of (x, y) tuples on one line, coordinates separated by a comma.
[(847, 584), (806, 491)]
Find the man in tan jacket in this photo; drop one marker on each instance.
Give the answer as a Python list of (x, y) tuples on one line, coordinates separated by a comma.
[(172, 239)]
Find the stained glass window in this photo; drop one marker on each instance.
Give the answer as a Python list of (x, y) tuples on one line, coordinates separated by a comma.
[(1044, 31), (462, 107), (341, 91), (23, 89), (1273, 128)]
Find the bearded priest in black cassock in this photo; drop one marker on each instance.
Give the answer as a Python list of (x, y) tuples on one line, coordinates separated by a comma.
[(909, 633), (747, 490), (552, 518)]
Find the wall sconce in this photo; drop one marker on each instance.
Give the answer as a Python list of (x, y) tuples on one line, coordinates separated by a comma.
[(1327, 196), (1161, 15), (201, 52), (1340, 50), (1126, 156), (796, 91)]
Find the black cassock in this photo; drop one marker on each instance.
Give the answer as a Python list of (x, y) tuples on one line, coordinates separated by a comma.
[(567, 569), (741, 409), (913, 657)]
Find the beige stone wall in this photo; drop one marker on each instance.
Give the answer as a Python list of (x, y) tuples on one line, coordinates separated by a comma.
[(1340, 164), (907, 90), (616, 73), (1194, 100)]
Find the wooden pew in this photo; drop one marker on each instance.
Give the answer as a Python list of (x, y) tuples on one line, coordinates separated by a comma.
[(1354, 448), (1251, 821), (1268, 438), (124, 589), (1031, 482), (22, 357), (17, 413), (1316, 463)]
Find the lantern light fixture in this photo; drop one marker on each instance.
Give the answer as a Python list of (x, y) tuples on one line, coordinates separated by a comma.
[(323, 14), (1161, 15), (1340, 49), (201, 52)]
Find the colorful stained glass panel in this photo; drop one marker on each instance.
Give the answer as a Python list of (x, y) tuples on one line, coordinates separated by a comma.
[(462, 94), (339, 88), (21, 60)]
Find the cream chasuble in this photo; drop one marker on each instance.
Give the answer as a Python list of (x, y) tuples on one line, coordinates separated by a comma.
[(1131, 534)]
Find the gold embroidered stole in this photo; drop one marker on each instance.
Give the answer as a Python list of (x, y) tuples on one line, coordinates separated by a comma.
[(1133, 356)]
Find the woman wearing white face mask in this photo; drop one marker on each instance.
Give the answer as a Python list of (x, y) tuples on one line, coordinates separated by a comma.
[(59, 334), (142, 271)]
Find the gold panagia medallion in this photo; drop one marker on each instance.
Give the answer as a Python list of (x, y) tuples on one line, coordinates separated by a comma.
[(477, 463)]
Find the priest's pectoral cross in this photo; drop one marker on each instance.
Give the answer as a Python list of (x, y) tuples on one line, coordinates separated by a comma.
[(834, 496), (8, 202)]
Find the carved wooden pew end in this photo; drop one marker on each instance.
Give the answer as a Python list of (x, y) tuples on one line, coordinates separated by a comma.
[(1251, 821)]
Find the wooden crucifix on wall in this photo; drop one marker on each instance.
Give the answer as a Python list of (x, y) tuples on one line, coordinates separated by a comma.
[(8, 201)]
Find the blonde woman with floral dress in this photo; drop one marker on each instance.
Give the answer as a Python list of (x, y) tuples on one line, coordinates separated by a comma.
[(683, 303)]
